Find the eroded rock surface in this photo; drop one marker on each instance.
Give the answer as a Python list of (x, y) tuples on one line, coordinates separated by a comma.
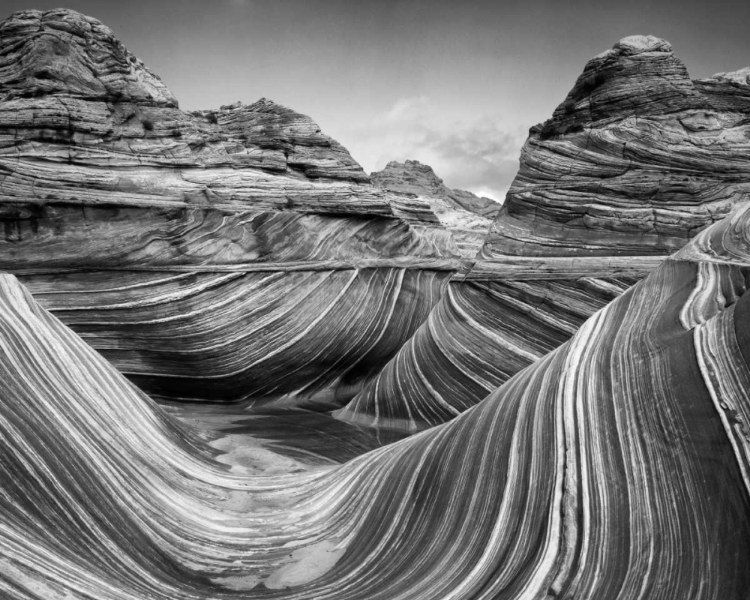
[(413, 177), (615, 467), (159, 235), (636, 161), (467, 216)]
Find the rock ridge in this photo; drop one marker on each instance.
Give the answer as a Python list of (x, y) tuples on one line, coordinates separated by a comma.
[(465, 215), (413, 177), (636, 160), (65, 52)]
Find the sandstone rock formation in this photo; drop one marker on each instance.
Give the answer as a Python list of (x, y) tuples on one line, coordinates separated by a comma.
[(232, 254), (597, 446), (615, 467), (412, 177), (466, 215), (636, 160), (203, 253), (632, 164)]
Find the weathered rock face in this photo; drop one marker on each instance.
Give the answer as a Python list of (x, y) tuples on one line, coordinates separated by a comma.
[(158, 233), (412, 177), (69, 81), (239, 254), (465, 215), (634, 163), (63, 52), (616, 467), (129, 145), (727, 91)]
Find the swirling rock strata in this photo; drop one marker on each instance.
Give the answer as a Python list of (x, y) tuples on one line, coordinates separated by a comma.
[(615, 467), (635, 162), (477, 337), (155, 233), (305, 338)]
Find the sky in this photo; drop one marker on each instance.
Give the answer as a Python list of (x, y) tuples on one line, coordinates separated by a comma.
[(453, 84)]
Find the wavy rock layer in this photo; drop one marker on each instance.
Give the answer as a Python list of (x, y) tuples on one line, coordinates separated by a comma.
[(479, 335), (289, 337), (204, 253), (634, 163), (636, 160), (615, 467)]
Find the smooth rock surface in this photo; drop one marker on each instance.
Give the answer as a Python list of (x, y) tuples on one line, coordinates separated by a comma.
[(615, 467), (287, 338), (597, 446)]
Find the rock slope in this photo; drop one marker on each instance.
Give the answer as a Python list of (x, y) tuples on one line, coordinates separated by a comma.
[(239, 254), (105, 496), (465, 215), (159, 235), (631, 165), (636, 160), (412, 177)]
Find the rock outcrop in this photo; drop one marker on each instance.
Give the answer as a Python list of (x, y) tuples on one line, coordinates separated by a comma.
[(634, 163), (412, 177), (203, 253), (465, 215), (615, 467), (597, 446), (232, 254)]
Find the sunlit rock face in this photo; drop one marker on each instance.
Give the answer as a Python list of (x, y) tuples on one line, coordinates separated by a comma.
[(634, 163), (467, 216), (615, 467), (207, 253)]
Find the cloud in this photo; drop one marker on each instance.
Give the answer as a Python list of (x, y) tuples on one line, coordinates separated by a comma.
[(479, 154), (408, 108)]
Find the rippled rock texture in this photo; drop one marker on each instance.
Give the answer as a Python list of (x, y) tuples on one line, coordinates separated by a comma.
[(203, 253), (597, 446), (480, 334), (240, 254), (615, 467), (634, 163), (467, 216), (636, 160)]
